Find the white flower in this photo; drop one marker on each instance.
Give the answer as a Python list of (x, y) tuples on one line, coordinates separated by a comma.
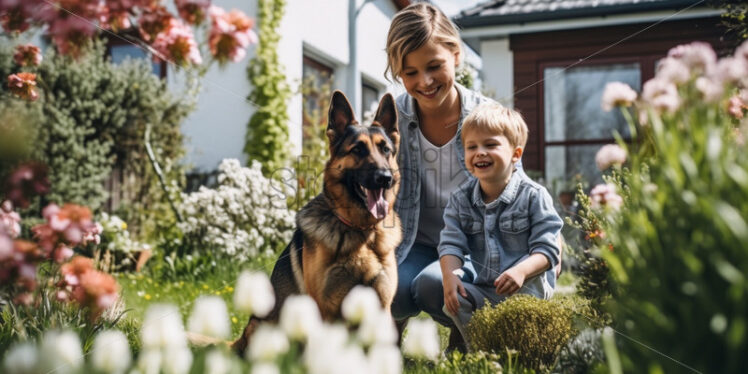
[(617, 94), (385, 359), (162, 327), (264, 368), (178, 360), (731, 69), (254, 294), (378, 328), (111, 352), (604, 195), (609, 155), (61, 352), (299, 317), (21, 359), (710, 90), (322, 351), (351, 360), (422, 339), (360, 302), (210, 318), (216, 362), (149, 361), (266, 344), (673, 70)]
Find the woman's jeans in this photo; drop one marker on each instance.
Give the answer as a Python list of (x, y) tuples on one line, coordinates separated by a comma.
[(419, 285)]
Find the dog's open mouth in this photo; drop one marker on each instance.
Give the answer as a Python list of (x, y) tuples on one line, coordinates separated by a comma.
[(375, 202)]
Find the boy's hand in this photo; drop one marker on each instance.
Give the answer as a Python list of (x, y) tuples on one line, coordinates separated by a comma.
[(452, 285), (509, 281)]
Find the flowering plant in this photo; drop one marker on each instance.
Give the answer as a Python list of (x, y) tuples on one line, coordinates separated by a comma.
[(671, 226), (246, 214)]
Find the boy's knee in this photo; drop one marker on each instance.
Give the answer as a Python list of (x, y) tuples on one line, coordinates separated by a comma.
[(426, 288)]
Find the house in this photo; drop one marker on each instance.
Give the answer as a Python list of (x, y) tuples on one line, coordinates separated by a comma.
[(314, 41), (551, 59)]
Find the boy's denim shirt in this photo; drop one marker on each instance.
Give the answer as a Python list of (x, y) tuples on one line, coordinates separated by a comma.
[(500, 234), (408, 203)]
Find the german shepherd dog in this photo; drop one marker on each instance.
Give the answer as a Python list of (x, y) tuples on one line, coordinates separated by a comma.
[(347, 235)]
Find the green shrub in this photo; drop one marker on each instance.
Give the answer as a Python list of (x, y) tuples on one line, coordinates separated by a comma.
[(537, 329)]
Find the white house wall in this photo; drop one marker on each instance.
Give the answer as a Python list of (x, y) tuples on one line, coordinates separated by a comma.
[(498, 70), (217, 128)]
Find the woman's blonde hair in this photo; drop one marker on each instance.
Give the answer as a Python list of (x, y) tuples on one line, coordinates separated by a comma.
[(411, 28), (497, 119)]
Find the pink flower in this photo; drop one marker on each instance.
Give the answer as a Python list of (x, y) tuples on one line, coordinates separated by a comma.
[(230, 34), (730, 70), (604, 195), (192, 11), (27, 55), (154, 22), (65, 227), (177, 44), (16, 15), (673, 70), (10, 221), (661, 95), (88, 287), (6, 247), (609, 155), (70, 33), (23, 85), (27, 180), (699, 57), (710, 90), (617, 94), (735, 107)]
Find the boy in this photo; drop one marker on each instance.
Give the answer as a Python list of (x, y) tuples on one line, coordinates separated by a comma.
[(502, 219)]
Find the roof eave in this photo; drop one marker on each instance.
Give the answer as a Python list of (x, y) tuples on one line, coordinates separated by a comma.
[(601, 11)]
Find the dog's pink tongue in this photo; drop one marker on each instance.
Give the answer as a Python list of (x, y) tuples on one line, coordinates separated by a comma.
[(376, 203)]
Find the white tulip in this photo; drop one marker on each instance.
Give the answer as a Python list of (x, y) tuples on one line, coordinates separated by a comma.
[(216, 362), (254, 294), (178, 360), (385, 359), (149, 361), (299, 317), (162, 327), (377, 328), (359, 303), (266, 344), (265, 368), (21, 359), (210, 318), (61, 352), (323, 350), (422, 339), (111, 352)]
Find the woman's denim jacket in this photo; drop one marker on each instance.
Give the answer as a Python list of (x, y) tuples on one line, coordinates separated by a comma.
[(408, 203), (500, 234)]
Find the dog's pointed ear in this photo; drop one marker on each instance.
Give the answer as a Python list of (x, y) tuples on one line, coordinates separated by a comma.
[(339, 116), (386, 117)]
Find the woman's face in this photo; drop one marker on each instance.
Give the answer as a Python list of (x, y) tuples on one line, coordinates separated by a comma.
[(428, 74)]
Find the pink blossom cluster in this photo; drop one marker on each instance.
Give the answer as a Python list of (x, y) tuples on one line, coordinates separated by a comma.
[(230, 34), (27, 180), (16, 15), (177, 44), (695, 62), (86, 286), (65, 228), (18, 258), (23, 85), (605, 195), (192, 11), (609, 155), (27, 55)]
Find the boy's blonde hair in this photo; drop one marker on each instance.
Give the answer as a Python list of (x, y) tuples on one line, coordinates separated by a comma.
[(497, 119), (411, 28)]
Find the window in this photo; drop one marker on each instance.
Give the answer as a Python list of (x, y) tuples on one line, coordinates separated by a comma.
[(576, 126), (316, 90), (369, 97), (119, 50)]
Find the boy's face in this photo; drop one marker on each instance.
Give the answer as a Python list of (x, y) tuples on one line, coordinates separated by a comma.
[(490, 157)]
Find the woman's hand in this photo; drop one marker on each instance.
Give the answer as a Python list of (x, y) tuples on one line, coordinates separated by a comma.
[(452, 285)]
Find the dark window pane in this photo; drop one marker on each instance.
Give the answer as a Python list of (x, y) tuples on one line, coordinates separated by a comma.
[(563, 163), (121, 52), (369, 97), (573, 97)]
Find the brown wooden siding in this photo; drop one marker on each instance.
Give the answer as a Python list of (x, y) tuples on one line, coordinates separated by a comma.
[(643, 43)]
